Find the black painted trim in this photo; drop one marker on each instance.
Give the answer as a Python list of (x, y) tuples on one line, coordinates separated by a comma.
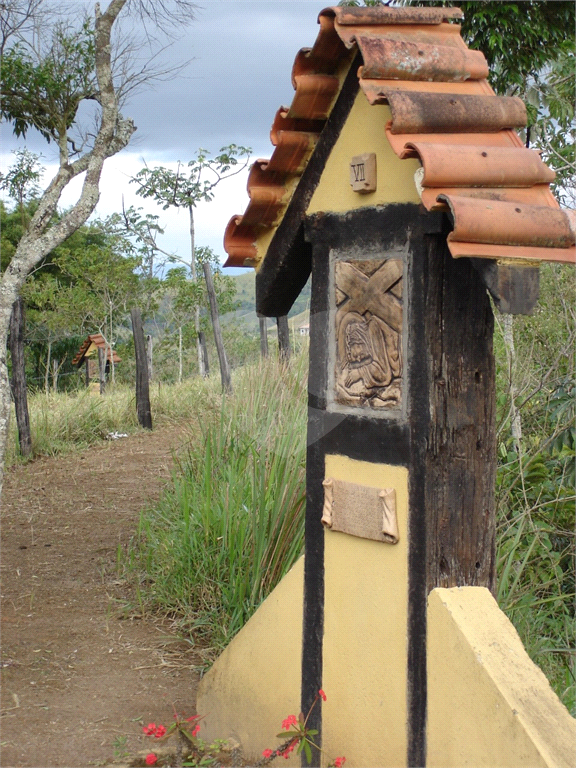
[(418, 419), (288, 262)]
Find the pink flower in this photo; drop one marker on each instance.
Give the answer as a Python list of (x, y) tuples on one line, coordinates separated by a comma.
[(150, 729), (290, 720), (195, 731), (339, 762), (322, 694), (267, 753), (160, 731), (151, 759)]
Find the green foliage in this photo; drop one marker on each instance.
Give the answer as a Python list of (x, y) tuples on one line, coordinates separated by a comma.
[(58, 78), (233, 523), (20, 180), (536, 485), (181, 189)]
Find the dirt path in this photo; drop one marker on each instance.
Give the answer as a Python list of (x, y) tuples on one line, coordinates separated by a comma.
[(77, 675)]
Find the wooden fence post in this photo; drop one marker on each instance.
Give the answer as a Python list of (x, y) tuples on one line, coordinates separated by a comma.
[(18, 382), (142, 388), (283, 338), (263, 337)]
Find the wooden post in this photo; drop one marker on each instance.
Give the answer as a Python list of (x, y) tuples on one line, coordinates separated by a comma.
[(18, 382), (263, 336), (87, 369), (142, 387), (205, 360), (283, 338), (224, 367), (102, 369)]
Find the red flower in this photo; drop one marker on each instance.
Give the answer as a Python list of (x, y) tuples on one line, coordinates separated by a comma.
[(290, 720), (151, 759), (339, 762), (160, 731), (150, 729), (195, 731), (322, 694), (267, 753)]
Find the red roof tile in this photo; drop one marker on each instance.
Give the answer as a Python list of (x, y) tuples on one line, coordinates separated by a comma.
[(443, 112)]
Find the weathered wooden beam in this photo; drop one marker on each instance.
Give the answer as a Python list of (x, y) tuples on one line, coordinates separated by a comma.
[(514, 287)]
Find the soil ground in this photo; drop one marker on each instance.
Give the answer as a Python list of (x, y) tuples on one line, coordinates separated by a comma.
[(79, 674)]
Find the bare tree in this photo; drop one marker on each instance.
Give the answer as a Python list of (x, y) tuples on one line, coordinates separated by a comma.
[(43, 88)]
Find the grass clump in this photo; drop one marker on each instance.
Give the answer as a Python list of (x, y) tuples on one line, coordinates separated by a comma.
[(232, 525)]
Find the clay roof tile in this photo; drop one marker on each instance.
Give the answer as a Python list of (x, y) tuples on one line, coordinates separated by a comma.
[(444, 112)]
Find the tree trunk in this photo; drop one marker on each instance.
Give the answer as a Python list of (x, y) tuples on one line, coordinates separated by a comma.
[(283, 338), (55, 369), (199, 350), (47, 369), (515, 415), (149, 356), (180, 355), (142, 388), (19, 388), (102, 369), (263, 337), (204, 349), (87, 364), (224, 367)]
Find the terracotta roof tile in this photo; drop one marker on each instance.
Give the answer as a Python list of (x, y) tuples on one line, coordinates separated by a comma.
[(443, 113)]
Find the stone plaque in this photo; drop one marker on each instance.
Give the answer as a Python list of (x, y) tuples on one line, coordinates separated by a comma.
[(368, 370), (363, 173), (360, 510)]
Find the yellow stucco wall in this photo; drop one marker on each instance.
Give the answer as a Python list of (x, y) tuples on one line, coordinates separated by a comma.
[(255, 683), (364, 132), (489, 705), (365, 643)]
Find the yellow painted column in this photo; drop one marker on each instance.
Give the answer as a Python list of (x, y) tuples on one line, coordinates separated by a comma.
[(365, 635)]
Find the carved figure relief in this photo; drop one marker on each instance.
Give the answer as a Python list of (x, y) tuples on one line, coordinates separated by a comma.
[(369, 333)]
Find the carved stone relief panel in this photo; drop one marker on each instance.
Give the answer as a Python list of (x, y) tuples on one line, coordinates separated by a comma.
[(368, 369)]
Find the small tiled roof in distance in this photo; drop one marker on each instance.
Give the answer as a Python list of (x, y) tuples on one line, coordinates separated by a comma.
[(99, 342), (444, 112)]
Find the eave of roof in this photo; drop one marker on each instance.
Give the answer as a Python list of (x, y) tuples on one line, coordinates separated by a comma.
[(474, 165)]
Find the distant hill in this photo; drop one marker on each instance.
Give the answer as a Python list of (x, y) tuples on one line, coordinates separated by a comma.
[(246, 296)]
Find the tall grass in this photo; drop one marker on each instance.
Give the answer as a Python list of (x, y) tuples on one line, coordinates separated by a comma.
[(63, 422), (232, 524)]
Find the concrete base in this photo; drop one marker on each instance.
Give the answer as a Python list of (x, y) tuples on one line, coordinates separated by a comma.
[(255, 683), (489, 705)]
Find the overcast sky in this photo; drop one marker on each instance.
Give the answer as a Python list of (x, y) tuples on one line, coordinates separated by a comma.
[(242, 52)]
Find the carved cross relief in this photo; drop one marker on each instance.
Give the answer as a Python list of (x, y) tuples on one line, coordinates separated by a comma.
[(368, 369)]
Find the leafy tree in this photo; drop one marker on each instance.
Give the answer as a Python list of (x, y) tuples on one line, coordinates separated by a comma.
[(185, 189), (188, 295), (45, 79)]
